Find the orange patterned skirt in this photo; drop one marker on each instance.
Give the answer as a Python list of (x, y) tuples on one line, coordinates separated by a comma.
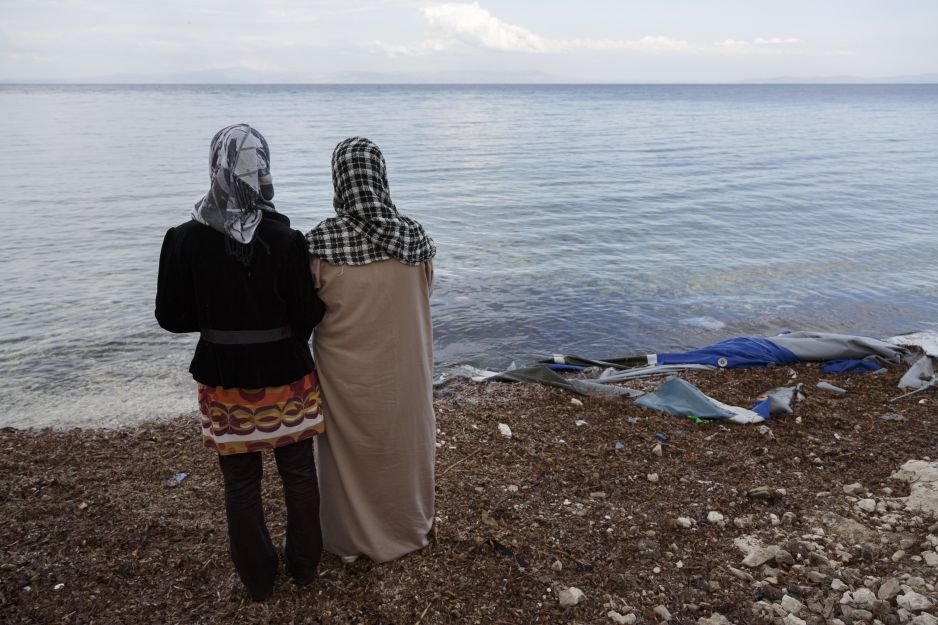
[(241, 420)]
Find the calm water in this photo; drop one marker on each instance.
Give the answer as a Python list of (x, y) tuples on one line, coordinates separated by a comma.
[(601, 221)]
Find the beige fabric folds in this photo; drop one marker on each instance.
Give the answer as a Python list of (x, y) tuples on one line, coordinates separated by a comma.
[(374, 356)]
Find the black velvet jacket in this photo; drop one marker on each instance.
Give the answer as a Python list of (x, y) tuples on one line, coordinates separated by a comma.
[(200, 286)]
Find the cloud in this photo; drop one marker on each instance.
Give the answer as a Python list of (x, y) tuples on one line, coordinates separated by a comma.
[(759, 45), (456, 26), (472, 24), (649, 44)]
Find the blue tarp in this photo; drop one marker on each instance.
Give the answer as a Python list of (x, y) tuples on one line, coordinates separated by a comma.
[(843, 366), (744, 351)]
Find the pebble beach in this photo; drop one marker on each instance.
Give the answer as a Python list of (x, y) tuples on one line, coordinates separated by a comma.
[(593, 510)]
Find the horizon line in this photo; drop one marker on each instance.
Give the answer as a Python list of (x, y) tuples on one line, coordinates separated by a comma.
[(747, 83)]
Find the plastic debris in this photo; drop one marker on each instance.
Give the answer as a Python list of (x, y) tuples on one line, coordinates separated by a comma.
[(580, 422), (827, 386), (846, 366), (619, 445), (58, 586), (765, 430), (892, 416), (504, 430), (920, 375), (661, 437), (681, 398), (176, 479)]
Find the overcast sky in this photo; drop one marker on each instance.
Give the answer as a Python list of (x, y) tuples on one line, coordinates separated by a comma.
[(540, 40)]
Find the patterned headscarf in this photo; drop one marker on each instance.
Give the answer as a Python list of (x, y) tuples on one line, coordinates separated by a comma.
[(239, 166), (367, 227)]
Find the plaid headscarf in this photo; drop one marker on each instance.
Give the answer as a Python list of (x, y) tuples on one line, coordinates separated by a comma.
[(367, 227), (239, 166)]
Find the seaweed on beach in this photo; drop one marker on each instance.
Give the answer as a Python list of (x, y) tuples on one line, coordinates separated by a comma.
[(583, 496)]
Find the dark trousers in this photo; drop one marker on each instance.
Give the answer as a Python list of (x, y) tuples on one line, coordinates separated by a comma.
[(251, 550)]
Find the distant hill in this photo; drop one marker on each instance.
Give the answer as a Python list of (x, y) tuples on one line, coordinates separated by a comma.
[(846, 80)]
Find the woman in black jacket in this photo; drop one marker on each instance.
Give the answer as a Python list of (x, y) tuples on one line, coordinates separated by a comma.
[(238, 274)]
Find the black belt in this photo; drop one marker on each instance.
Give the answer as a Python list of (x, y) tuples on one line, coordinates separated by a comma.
[(245, 337)]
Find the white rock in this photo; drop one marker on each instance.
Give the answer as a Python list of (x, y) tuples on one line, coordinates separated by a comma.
[(854, 489), (684, 521), (714, 619), (863, 598), (621, 619), (888, 589), (925, 619), (570, 596), (662, 613), (557, 566), (837, 584), (757, 553), (791, 619), (576, 402), (714, 517), (652, 477), (867, 505), (923, 491), (512, 488), (931, 558), (504, 430), (58, 586), (913, 602), (656, 449), (739, 574), (791, 605)]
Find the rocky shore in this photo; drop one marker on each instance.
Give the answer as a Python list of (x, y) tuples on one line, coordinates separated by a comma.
[(590, 511)]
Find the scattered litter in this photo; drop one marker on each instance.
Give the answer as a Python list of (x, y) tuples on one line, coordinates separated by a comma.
[(661, 437), (619, 445), (892, 416), (780, 399), (504, 430), (58, 586), (765, 430), (920, 375), (827, 386), (681, 398), (176, 479), (580, 422)]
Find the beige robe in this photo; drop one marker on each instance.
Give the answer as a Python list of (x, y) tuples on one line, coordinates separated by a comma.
[(374, 356)]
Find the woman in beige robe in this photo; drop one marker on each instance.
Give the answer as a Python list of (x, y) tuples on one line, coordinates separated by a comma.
[(374, 351)]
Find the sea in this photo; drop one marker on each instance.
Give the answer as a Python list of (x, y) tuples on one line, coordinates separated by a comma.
[(602, 221)]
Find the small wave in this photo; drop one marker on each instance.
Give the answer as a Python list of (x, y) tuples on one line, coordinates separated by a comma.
[(708, 323)]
